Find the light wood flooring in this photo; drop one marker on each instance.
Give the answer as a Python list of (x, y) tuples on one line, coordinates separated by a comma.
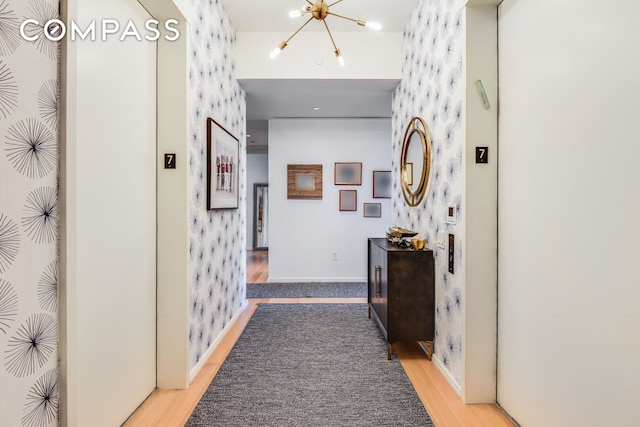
[(174, 407), (257, 266)]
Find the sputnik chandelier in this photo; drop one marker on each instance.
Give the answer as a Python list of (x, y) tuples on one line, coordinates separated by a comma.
[(320, 11)]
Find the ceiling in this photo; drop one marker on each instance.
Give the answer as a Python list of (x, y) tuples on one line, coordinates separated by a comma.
[(295, 98)]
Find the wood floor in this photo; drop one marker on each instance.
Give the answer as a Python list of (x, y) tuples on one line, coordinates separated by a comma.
[(257, 266), (174, 407)]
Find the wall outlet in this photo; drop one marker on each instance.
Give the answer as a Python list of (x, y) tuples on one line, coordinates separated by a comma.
[(334, 256), (441, 239)]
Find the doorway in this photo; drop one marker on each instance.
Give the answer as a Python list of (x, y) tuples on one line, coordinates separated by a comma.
[(260, 217), (258, 257)]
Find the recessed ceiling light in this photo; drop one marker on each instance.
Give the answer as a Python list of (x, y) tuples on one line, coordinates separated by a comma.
[(316, 108)]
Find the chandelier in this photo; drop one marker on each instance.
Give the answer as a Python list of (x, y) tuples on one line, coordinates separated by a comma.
[(320, 11)]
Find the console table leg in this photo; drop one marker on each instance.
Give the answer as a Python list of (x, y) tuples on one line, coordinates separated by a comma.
[(389, 349), (429, 345)]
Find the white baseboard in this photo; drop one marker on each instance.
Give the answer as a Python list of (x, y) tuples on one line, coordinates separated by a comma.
[(447, 375), (316, 280), (207, 354)]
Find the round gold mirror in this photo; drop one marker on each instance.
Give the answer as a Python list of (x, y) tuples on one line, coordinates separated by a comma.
[(415, 161)]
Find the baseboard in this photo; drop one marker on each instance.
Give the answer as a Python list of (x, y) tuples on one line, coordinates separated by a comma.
[(447, 375), (316, 280), (207, 354)]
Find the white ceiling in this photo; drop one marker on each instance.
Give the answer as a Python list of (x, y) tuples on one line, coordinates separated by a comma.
[(267, 99), (273, 15)]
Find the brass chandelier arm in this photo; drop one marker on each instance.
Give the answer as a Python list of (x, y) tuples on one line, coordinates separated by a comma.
[(298, 30), (330, 35), (344, 17), (334, 3)]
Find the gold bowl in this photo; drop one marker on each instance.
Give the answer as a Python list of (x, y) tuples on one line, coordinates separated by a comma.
[(418, 243)]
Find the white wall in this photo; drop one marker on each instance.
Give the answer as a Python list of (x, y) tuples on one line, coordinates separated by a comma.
[(481, 201), (257, 173), (108, 187), (304, 234), (569, 206), (173, 222), (367, 55)]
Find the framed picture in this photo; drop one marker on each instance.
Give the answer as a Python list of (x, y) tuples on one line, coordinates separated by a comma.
[(348, 200), (222, 167), (372, 210), (304, 182), (348, 174), (381, 184)]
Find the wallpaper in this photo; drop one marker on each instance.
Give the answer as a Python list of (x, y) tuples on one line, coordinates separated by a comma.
[(433, 88), (28, 219), (217, 239)]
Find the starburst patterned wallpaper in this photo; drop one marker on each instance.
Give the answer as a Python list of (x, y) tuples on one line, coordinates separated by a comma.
[(433, 88), (28, 218), (217, 247), (29, 143)]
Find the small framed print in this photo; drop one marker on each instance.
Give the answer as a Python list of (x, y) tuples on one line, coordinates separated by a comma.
[(372, 210), (348, 174), (348, 200), (381, 184), (222, 167)]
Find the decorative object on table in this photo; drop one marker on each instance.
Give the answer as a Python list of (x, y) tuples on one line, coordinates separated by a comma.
[(319, 10), (418, 243), (372, 210), (381, 184), (415, 161), (304, 182), (400, 232), (347, 173), (348, 200), (397, 236), (222, 167)]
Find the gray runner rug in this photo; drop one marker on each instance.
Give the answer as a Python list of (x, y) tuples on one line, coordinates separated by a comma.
[(310, 365), (311, 289)]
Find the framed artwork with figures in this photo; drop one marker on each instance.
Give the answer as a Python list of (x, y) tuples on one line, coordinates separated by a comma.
[(222, 167)]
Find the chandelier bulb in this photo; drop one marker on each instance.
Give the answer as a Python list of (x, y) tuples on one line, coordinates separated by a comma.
[(340, 58), (275, 52), (370, 25), (373, 26)]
